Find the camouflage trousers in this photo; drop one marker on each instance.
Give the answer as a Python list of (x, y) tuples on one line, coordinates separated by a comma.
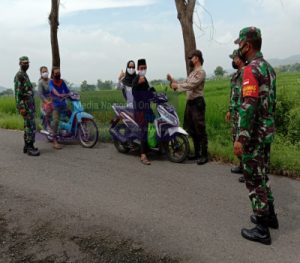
[(234, 124), (267, 153), (257, 181), (29, 128)]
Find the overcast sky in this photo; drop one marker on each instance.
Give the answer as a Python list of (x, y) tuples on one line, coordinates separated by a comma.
[(98, 37)]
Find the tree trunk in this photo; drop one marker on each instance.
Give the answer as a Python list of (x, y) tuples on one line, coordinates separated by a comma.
[(185, 13), (53, 20)]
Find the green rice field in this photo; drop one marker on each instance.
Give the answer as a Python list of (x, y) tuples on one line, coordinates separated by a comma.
[(285, 154)]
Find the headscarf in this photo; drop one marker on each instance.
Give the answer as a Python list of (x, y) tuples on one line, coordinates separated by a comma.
[(127, 80)]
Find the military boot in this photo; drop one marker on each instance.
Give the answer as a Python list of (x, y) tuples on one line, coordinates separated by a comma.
[(237, 169), (272, 220), (28, 145), (32, 151), (25, 148), (260, 233)]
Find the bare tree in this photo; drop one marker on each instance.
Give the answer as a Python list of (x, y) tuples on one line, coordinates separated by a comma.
[(54, 23), (185, 13)]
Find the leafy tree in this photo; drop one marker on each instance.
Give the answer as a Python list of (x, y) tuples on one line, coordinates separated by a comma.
[(219, 71), (84, 87)]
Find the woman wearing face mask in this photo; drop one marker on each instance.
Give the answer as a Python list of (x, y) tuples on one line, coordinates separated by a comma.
[(142, 93), (59, 90), (125, 82), (44, 93)]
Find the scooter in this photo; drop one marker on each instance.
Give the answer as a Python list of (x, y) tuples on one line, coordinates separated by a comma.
[(79, 125), (171, 139)]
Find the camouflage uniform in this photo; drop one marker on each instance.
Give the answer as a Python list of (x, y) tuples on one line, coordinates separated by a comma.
[(235, 98), (24, 95), (256, 124)]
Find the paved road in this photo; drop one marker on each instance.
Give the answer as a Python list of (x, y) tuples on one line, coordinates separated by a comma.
[(183, 210)]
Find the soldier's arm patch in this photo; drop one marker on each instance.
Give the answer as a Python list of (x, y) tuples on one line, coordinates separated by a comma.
[(250, 84)]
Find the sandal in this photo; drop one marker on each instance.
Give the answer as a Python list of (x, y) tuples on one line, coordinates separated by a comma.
[(145, 161)]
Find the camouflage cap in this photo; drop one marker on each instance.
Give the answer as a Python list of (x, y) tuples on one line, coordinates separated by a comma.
[(234, 54), (248, 33), (24, 59)]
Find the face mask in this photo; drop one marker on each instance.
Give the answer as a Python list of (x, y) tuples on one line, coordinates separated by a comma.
[(130, 71), (142, 72), (234, 65), (24, 67), (57, 76), (241, 54), (191, 64), (45, 75)]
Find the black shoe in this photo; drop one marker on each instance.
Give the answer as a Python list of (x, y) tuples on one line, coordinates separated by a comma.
[(25, 148), (259, 233), (202, 160), (32, 151), (237, 170), (242, 179)]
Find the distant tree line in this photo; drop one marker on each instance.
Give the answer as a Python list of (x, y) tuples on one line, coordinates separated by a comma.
[(7, 92), (101, 85), (288, 68)]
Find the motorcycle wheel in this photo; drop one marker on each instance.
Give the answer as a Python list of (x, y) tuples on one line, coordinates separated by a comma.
[(121, 147), (88, 133), (178, 148)]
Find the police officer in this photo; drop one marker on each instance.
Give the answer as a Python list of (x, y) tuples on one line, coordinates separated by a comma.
[(256, 129), (194, 116), (235, 101), (24, 95)]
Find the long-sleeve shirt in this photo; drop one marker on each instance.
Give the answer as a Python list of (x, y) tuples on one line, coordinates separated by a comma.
[(235, 91), (43, 89), (24, 93), (256, 114), (194, 84), (142, 95)]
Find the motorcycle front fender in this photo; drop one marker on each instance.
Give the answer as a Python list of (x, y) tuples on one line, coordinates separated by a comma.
[(83, 115), (174, 130)]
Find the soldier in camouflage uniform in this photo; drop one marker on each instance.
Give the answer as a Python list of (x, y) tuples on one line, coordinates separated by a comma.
[(25, 105), (235, 101), (256, 129)]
